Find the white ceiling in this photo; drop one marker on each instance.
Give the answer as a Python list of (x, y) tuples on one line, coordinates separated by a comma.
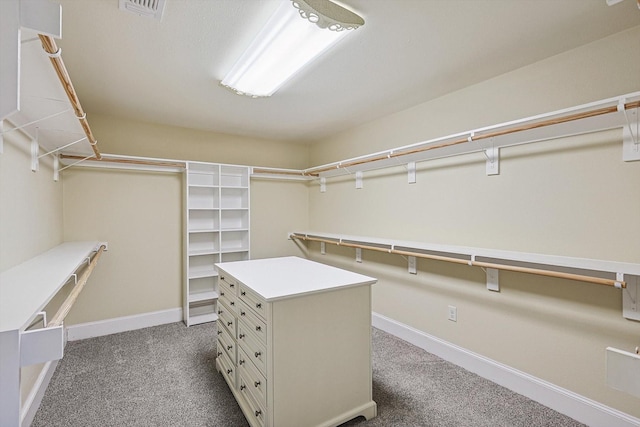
[(408, 52)]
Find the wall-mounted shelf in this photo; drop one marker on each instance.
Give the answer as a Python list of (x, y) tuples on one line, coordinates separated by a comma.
[(216, 229), (622, 275), (25, 290), (618, 112)]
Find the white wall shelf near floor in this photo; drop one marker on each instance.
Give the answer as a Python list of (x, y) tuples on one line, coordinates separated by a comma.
[(216, 230), (25, 290)]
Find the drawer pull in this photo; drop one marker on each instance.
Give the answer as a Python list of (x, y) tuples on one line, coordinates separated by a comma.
[(229, 347), (242, 387), (242, 313), (241, 362), (220, 312), (256, 384), (258, 328), (221, 294), (229, 371), (222, 277), (241, 336), (243, 293), (233, 303), (219, 332), (257, 354), (219, 353), (258, 413), (259, 305), (232, 285), (229, 323)]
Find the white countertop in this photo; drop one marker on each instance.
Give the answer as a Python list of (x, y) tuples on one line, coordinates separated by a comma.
[(26, 288), (277, 278)]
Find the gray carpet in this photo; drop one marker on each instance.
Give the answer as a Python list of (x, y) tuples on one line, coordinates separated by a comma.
[(165, 376)]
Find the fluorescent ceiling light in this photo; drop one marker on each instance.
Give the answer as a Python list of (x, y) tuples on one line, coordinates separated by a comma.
[(297, 33)]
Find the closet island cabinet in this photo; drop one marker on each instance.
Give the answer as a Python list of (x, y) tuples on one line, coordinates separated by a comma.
[(294, 341), (216, 229)]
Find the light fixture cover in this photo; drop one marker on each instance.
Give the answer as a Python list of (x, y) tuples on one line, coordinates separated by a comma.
[(297, 33)]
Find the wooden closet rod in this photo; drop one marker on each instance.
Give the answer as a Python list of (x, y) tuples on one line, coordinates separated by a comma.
[(462, 140), (537, 271), (125, 161), (64, 309), (49, 45)]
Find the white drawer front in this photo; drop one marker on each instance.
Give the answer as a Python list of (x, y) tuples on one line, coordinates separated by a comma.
[(228, 345), (228, 296), (254, 349), (255, 302), (227, 368), (256, 415), (227, 318), (230, 282), (253, 322), (257, 383)]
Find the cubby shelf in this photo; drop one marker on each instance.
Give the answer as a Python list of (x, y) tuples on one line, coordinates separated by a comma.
[(216, 229)]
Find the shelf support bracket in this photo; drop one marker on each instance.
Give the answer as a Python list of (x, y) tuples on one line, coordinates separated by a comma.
[(56, 167), (323, 248), (630, 297), (35, 165), (413, 266), (358, 180), (493, 279), (493, 160), (411, 172), (323, 184), (358, 254), (631, 137)]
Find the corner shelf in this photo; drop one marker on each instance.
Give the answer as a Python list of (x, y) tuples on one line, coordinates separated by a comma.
[(216, 229)]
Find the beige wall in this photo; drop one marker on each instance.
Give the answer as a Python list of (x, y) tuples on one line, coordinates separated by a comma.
[(140, 213), (133, 138), (30, 204), (572, 196)]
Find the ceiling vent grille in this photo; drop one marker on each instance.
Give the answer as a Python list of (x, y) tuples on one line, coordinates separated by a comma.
[(150, 8)]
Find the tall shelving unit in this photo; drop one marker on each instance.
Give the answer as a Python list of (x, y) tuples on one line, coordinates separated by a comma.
[(216, 229)]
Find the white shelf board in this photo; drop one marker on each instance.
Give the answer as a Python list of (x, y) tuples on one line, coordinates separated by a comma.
[(202, 318), (233, 250), (203, 296), (200, 273), (204, 230), (493, 254), (26, 288), (203, 252), (203, 185)]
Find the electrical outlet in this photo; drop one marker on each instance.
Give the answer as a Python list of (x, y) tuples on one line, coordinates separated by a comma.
[(453, 313)]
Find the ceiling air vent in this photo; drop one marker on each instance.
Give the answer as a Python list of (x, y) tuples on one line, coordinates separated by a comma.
[(150, 8)]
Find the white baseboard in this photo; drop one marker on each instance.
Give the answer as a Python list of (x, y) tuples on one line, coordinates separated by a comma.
[(578, 407), (34, 398), (123, 324)]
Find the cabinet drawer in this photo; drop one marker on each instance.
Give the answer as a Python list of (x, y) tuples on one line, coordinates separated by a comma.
[(253, 322), (254, 349), (255, 381), (227, 368), (228, 345), (256, 415), (229, 281), (255, 302), (227, 318), (228, 296)]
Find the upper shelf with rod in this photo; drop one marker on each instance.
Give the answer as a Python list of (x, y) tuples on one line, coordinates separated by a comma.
[(40, 101), (621, 275), (617, 112)]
